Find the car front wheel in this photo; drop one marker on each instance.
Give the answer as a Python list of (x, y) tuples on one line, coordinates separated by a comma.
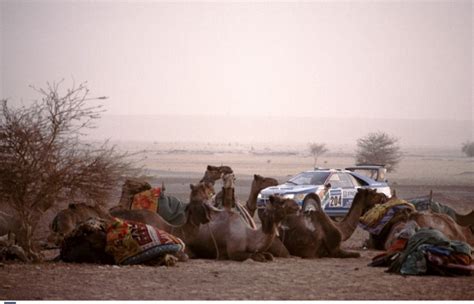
[(310, 204)]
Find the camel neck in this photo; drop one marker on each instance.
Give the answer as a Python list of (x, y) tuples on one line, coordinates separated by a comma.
[(252, 202), (349, 224)]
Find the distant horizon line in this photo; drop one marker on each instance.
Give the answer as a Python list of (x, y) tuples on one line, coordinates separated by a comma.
[(281, 116)]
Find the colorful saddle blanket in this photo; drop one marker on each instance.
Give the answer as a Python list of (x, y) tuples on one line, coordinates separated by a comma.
[(133, 243), (147, 199), (376, 218), (168, 207)]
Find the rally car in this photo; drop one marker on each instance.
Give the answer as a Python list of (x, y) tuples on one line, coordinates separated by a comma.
[(333, 188)]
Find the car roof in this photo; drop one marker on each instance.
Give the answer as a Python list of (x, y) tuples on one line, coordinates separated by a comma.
[(326, 170)]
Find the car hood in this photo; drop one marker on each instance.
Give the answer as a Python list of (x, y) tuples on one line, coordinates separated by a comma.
[(288, 188)]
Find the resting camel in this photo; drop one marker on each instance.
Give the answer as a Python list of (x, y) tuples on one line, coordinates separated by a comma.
[(226, 198), (66, 220), (87, 241), (221, 234), (315, 235), (228, 237), (258, 184), (457, 228)]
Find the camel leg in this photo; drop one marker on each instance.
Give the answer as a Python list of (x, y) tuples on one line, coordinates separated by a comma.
[(262, 257), (268, 256), (239, 255), (277, 249)]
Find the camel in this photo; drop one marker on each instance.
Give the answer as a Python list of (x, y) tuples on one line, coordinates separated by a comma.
[(222, 234), (226, 236), (226, 198), (87, 243), (439, 221), (131, 187), (458, 227), (363, 201), (214, 173), (315, 235), (198, 210), (258, 184), (66, 220)]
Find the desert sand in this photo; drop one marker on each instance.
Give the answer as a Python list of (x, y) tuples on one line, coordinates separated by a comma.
[(448, 174)]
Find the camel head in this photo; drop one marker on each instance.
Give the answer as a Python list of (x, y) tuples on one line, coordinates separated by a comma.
[(202, 191), (259, 183), (131, 187), (66, 220), (86, 243), (198, 212), (369, 197), (276, 210), (213, 173)]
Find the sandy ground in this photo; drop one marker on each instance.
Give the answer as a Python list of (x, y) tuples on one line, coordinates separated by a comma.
[(282, 279)]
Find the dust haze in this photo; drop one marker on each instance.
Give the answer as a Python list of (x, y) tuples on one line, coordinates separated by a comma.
[(251, 72)]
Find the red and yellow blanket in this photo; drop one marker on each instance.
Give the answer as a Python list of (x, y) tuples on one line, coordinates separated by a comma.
[(147, 199), (132, 242)]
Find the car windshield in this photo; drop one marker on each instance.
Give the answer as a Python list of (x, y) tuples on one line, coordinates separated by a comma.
[(309, 178)]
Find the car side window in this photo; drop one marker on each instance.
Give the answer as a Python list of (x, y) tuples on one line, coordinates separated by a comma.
[(355, 181), (346, 182), (335, 181)]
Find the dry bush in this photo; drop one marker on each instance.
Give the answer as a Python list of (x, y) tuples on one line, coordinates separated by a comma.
[(317, 150), (468, 148), (379, 148), (44, 160)]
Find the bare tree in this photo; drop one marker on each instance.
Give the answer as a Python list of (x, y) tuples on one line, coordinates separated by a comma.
[(468, 148), (317, 150), (379, 148), (44, 161)]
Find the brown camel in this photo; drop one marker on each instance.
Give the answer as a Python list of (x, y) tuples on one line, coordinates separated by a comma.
[(131, 187), (66, 220), (439, 221), (311, 240), (214, 173), (226, 197), (363, 201), (87, 243), (457, 228), (198, 210), (228, 237), (228, 191), (221, 234), (258, 184)]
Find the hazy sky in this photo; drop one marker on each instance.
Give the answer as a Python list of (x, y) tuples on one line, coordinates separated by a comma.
[(396, 59)]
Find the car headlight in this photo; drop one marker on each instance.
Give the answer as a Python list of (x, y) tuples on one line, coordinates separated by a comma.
[(259, 196), (289, 196)]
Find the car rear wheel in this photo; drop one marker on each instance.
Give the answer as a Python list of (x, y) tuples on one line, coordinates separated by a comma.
[(311, 204)]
